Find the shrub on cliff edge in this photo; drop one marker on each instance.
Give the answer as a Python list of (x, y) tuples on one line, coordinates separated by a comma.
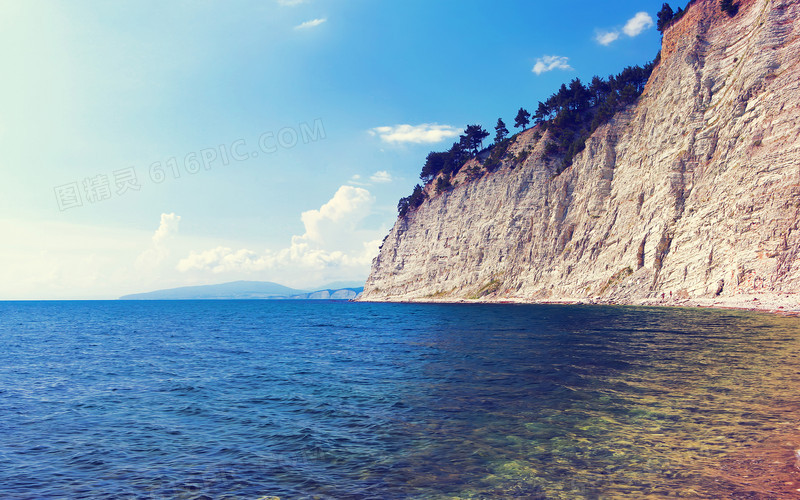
[(729, 7)]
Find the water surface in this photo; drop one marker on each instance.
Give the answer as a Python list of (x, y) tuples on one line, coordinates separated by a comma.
[(302, 399)]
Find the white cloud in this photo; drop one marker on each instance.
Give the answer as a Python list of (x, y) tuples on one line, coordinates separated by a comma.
[(156, 254), (332, 240), (633, 27), (356, 181), (223, 259), (549, 63), (168, 226), (310, 24), (425, 133), (606, 37), (349, 204), (638, 23), (380, 177)]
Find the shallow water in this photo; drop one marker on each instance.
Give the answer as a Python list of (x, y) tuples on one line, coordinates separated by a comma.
[(302, 399)]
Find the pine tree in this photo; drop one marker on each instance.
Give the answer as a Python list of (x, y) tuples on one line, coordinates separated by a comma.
[(500, 131), (542, 112), (473, 137), (665, 15), (523, 119), (434, 163)]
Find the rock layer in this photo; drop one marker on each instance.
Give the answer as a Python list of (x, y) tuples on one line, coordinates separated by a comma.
[(692, 192)]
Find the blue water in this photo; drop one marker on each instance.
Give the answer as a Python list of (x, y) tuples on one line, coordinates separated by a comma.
[(305, 399)]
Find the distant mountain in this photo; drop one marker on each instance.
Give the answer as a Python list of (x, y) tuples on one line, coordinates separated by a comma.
[(334, 294), (337, 285), (248, 290)]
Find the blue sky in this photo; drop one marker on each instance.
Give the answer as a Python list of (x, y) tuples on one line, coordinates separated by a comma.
[(149, 145)]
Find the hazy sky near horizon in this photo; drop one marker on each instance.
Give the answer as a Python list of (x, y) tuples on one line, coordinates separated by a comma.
[(149, 145)]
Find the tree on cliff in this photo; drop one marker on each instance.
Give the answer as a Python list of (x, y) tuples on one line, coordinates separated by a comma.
[(434, 164), (443, 184), (412, 201), (449, 162), (523, 119), (598, 90), (665, 15), (500, 131), (579, 95), (729, 7), (473, 137)]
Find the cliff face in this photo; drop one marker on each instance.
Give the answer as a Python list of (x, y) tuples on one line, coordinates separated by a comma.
[(695, 190)]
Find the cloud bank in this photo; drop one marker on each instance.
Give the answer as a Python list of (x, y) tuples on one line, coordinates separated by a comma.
[(332, 241)]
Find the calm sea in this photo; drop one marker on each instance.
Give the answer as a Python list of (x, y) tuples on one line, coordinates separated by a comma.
[(306, 399)]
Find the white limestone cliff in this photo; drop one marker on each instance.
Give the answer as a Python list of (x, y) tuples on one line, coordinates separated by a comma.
[(693, 192)]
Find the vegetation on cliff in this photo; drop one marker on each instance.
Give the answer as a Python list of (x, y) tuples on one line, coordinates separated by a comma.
[(574, 112), (566, 119), (666, 16), (729, 7), (570, 115)]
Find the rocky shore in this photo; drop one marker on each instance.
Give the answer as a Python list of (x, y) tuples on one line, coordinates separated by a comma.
[(783, 304)]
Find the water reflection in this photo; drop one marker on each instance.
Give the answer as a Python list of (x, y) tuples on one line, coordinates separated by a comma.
[(585, 402)]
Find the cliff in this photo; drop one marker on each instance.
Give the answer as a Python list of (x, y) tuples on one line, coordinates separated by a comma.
[(693, 192)]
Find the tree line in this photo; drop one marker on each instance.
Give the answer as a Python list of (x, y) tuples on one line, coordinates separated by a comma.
[(666, 16), (574, 112), (571, 114)]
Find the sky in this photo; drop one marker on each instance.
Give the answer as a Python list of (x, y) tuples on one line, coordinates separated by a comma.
[(149, 144)]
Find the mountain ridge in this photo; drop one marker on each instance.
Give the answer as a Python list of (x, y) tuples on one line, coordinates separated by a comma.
[(248, 290)]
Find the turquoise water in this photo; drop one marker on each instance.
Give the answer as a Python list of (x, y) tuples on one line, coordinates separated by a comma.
[(296, 399)]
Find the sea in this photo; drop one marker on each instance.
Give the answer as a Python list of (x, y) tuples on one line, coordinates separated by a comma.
[(340, 400)]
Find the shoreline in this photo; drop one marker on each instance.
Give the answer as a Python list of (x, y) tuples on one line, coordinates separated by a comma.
[(783, 304)]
